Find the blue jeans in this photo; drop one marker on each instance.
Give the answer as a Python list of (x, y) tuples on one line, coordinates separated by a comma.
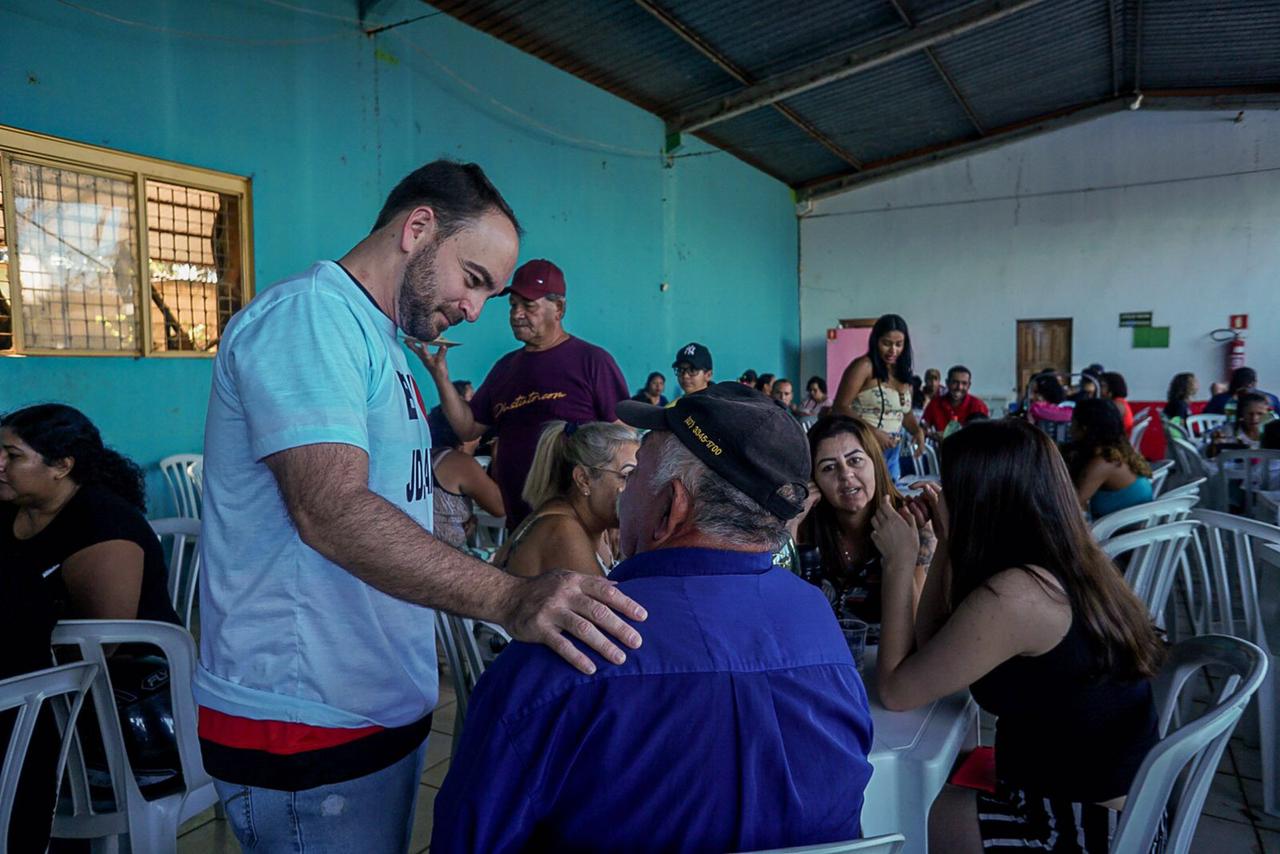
[(372, 814), (891, 460)]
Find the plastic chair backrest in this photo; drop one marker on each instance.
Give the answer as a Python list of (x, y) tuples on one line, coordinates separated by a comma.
[(1192, 488), (457, 670), (1146, 515), (1226, 546), (177, 474), (890, 843), (1178, 771), (1155, 554), (1159, 474), (181, 536), (152, 825), (196, 472), (1252, 467), (1198, 426), (1139, 429), (28, 693)]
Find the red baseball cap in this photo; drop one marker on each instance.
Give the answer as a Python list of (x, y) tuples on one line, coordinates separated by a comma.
[(536, 279)]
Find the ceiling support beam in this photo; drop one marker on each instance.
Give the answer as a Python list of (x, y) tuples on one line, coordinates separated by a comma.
[(1137, 51), (840, 66), (1117, 44), (942, 72), (1235, 98), (729, 67)]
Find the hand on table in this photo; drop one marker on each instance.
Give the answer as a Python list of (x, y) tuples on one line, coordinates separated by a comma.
[(547, 608)]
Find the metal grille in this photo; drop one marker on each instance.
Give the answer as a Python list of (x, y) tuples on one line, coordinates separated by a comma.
[(6, 301), (193, 248), (76, 245)]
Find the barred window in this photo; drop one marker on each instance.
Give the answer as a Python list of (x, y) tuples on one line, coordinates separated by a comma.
[(105, 253)]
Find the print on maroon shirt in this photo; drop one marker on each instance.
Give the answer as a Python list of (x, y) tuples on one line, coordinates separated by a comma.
[(574, 381)]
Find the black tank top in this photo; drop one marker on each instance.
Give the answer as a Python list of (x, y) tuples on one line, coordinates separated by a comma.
[(1063, 732)]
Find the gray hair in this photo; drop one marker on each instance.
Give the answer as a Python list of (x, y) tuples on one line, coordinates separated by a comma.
[(720, 509), (560, 450)]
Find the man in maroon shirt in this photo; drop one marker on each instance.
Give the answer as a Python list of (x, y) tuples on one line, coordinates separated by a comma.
[(957, 404), (553, 377)]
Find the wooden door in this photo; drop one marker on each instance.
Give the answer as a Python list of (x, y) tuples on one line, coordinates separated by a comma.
[(1043, 345)]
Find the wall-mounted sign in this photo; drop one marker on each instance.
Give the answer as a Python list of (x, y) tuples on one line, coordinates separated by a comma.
[(1135, 318), (1239, 321), (1154, 337)]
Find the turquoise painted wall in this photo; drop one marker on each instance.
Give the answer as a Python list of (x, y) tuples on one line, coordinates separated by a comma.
[(325, 120)]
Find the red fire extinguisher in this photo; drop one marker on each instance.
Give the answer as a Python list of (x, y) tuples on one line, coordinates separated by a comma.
[(1235, 353)]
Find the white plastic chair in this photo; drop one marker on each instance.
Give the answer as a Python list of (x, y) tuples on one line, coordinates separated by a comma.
[(1253, 468), (1145, 515), (1190, 466), (467, 664), (177, 475), (1154, 557), (1200, 426), (1178, 771), (28, 693), (1192, 488), (1227, 546), (1139, 429), (1159, 474), (196, 472), (182, 537), (890, 843), (152, 826)]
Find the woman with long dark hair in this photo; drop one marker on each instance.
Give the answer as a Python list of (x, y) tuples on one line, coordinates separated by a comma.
[(877, 388), (1108, 474), (1116, 390), (851, 476), (1022, 607), (1182, 388), (72, 510)]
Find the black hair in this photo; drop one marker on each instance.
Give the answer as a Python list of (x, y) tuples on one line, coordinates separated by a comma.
[(1116, 386), (1096, 369), (460, 386), (1179, 393), (1271, 435), (1242, 378), (657, 374), (442, 433), (56, 431), (958, 369), (459, 193), (822, 384), (1247, 399), (902, 368), (1048, 387), (917, 392), (1099, 431), (762, 381)]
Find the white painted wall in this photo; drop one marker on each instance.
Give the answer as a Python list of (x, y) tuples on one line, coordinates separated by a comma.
[(1176, 213)]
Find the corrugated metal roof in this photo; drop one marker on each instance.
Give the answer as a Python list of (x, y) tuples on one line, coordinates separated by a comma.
[(1003, 75)]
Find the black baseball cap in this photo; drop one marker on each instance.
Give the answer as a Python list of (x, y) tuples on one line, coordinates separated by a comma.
[(695, 355), (748, 439)]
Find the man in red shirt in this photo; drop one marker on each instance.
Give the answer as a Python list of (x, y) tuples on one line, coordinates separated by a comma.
[(956, 404)]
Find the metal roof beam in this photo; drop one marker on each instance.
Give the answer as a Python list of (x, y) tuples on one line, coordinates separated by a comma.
[(942, 72), (840, 66), (729, 67), (1117, 46)]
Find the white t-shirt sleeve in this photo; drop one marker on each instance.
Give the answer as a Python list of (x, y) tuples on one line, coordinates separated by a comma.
[(301, 371)]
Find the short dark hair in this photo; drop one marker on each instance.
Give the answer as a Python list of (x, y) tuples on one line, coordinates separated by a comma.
[(1248, 399), (822, 384), (459, 193), (958, 369), (1049, 388), (1242, 378), (460, 386)]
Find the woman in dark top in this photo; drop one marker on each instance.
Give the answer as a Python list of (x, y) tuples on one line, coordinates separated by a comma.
[(1182, 388), (1023, 607), (851, 477), (71, 511), (652, 391)]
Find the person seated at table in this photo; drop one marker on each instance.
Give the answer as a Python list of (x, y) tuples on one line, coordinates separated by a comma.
[(815, 396), (573, 485), (1252, 411), (957, 404), (653, 390), (73, 510), (1243, 381), (1023, 608), (1182, 388), (741, 723), (1116, 390), (1108, 474), (460, 481), (851, 478)]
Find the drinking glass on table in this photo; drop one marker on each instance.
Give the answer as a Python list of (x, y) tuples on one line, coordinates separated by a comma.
[(855, 635)]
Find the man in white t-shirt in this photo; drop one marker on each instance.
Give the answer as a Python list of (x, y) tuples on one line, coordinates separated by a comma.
[(318, 671)]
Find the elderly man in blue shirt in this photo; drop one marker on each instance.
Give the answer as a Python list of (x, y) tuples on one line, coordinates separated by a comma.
[(740, 724)]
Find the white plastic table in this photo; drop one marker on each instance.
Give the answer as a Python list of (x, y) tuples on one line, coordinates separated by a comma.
[(911, 758)]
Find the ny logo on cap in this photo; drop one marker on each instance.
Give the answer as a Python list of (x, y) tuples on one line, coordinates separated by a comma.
[(691, 349)]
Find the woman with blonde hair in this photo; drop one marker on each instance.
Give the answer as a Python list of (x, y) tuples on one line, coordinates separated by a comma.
[(573, 486)]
